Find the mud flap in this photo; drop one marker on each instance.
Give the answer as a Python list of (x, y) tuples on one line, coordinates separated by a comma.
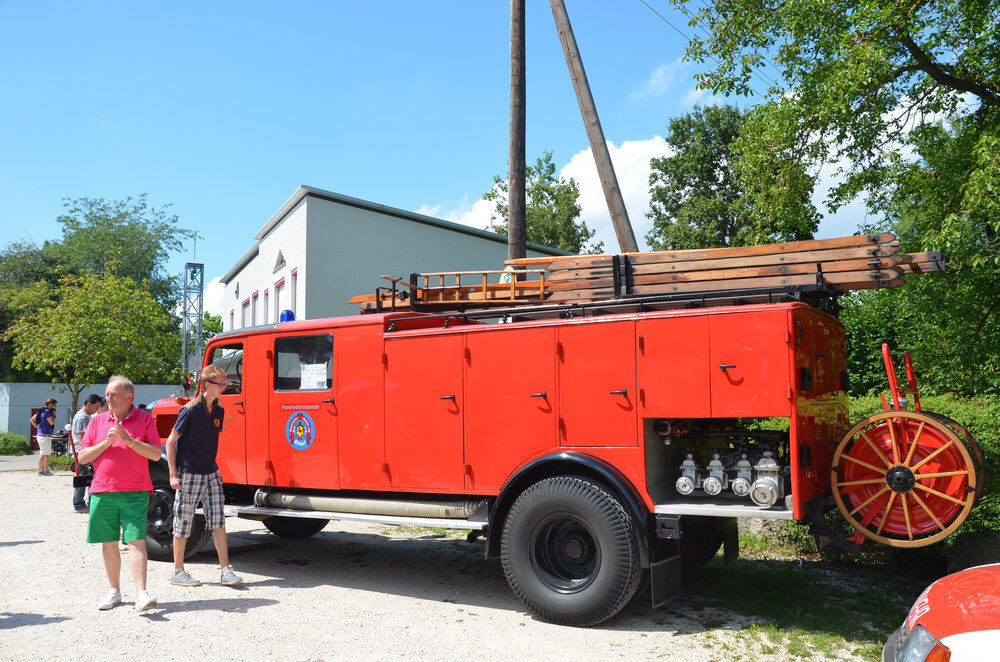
[(665, 579), (730, 540)]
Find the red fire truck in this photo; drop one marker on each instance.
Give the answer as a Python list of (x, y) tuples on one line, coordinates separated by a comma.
[(593, 445)]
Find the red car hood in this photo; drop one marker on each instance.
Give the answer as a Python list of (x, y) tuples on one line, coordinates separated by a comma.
[(966, 601)]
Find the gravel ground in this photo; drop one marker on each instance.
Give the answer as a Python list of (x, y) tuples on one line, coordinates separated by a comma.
[(352, 592)]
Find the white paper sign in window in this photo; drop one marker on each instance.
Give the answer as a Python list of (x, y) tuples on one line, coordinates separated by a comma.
[(313, 376)]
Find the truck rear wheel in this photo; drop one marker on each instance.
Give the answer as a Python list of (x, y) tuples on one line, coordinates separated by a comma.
[(294, 527), (569, 551), (160, 526)]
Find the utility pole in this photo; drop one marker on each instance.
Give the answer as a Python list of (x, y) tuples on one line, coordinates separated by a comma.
[(516, 230), (605, 170)]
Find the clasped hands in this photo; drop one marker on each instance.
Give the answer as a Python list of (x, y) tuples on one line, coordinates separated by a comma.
[(118, 432)]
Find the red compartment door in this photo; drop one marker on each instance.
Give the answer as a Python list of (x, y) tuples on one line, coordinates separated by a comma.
[(597, 394), (424, 407)]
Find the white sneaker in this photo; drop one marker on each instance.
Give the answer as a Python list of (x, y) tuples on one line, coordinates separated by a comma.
[(144, 602), (110, 602)]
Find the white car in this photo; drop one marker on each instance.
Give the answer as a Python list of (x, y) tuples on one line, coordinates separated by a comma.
[(955, 619)]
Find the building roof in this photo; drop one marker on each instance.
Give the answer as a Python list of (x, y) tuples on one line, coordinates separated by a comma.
[(303, 191)]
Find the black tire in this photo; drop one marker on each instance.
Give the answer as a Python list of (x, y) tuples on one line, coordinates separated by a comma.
[(701, 538), (294, 527), (569, 551), (160, 526)]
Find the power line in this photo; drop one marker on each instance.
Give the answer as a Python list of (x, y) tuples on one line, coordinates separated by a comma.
[(683, 34), (766, 59)]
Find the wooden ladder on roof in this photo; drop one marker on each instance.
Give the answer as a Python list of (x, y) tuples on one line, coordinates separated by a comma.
[(826, 266)]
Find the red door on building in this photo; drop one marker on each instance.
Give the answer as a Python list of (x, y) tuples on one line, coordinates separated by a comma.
[(748, 364), (597, 394), (511, 401), (423, 408)]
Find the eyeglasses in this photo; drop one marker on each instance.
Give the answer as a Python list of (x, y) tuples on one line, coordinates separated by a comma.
[(222, 385)]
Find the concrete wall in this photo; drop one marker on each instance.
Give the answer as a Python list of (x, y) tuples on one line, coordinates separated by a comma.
[(262, 273), (348, 248), (18, 399)]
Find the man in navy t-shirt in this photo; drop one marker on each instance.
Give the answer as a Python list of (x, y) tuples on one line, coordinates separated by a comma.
[(191, 450)]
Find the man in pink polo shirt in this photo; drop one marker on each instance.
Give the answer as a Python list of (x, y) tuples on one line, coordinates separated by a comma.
[(120, 443)]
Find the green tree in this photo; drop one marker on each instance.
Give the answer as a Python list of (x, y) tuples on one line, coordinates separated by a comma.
[(211, 325), (97, 325), (551, 209), (128, 238), (858, 77), (948, 321), (696, 200)]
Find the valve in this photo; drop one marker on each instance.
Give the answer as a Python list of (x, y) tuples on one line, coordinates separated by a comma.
[(689, 480), (766, 490), (744, 474), (717, 479)]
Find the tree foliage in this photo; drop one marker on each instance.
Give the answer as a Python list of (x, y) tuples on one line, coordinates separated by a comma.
[(859, 77), (902, 102), (96, 325), (123, 238), (696, 200), (128, 238), (551, 209)]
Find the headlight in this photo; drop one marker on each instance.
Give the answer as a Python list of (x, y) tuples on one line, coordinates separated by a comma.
[(921, 646)]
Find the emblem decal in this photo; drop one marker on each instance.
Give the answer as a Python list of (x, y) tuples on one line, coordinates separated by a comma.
[(300, 430)]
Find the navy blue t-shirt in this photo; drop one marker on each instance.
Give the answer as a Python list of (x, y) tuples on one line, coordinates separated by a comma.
[(199, 442)]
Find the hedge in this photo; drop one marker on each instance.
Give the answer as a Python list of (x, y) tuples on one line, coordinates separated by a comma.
[(13, 444)]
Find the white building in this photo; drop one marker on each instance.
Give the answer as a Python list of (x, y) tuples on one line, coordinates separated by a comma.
[(322, 248)]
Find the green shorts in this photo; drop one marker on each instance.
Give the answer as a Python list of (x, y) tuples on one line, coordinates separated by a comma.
[(114, 513)]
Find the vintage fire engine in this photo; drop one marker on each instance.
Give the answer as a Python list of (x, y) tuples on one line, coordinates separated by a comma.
[(593, 443)]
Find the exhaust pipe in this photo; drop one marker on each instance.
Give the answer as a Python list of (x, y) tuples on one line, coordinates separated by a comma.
[(463, 509)]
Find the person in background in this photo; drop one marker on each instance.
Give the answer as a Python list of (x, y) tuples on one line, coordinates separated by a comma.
[(90, 407), (191, 450), (44, 422), (121, 443)]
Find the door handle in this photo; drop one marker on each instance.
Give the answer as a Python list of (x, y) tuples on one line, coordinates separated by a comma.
[(238, 403), (448, 397), (539, 395), (331, 401), (623, 392), (724, 366)]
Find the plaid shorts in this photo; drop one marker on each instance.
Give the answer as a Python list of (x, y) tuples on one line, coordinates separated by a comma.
[(206, 488)]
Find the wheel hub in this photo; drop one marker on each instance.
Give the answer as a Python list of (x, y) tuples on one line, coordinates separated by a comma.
[(900, 479)]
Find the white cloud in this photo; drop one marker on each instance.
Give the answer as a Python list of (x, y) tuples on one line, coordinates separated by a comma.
[(478, 214), (696, 95), (214, 300), (631, 162), (660, 81)]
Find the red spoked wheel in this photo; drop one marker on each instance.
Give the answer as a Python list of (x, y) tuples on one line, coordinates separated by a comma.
[(978, 460), (904, 479)]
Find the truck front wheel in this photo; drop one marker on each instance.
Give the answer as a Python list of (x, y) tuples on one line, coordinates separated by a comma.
[(569, 551), (160, 526)]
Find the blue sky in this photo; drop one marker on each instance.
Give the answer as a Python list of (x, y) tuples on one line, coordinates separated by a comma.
[(223, 109)]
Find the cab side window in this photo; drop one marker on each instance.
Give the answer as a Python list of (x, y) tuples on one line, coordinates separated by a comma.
[(230, 359), (303, 363)]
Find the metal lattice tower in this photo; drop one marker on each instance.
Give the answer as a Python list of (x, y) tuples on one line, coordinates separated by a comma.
[(192, 338)]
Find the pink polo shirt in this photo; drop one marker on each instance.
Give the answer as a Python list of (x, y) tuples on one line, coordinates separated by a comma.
[(119, 468)]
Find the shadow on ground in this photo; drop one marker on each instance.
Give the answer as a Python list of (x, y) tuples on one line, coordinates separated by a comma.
[(790, 595)]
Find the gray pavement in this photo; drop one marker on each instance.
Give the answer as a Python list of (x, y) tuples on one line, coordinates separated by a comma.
[(19, 462)]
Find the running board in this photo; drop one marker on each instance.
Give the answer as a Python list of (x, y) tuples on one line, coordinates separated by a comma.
[(255, 512), (722, 509)]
